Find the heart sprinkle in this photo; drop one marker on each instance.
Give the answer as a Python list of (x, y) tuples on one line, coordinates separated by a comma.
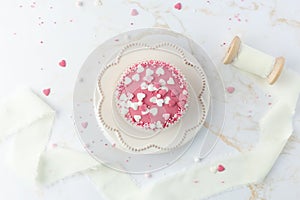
[(160, 71), (166, 116), (153, 111), (178, 6), (134, 12), (140, 96), (221, 168), (136, 77), (171, 81), (230, 90), (127, 80), (47, 91), (140, 69), (62, 63), (84, 124), (137, 118)]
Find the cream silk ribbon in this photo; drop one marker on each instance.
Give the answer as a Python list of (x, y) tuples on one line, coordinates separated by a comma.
[(31, 120)]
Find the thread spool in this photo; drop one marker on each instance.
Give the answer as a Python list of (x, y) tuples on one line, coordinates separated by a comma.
[(254, 61)]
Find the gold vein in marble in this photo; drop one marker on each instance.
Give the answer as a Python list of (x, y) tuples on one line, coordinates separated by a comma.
[(232, 142)]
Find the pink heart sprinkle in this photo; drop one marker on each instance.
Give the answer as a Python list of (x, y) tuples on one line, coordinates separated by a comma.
[(220, 168), (84, 124), (47, 91), (162, 92), (143, 108), (172, 103), (134, 12), (178, 6), (181, 104), (230, 89), (62, 63)]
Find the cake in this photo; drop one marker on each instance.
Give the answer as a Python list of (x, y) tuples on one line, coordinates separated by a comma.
[(152, 95)]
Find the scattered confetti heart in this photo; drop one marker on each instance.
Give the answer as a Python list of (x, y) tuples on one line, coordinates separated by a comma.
[(62, 63), (134, 12), (230, 90), (220, 168), (84, 124), (178, 6), (47, 91)]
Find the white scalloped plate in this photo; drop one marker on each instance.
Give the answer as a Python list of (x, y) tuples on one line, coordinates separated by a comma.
[(94, 138)]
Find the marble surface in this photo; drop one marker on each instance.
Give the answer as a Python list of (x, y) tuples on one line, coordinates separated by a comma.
[(35, 36)]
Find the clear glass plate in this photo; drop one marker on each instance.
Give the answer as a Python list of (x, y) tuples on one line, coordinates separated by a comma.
[(86, 122)]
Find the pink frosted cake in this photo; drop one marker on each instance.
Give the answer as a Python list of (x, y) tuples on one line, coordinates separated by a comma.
[(152, 94)]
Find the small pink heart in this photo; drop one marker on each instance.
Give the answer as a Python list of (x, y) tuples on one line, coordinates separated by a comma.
[(230, 90), (134, 12), (220, 168), (62, 63), (162, 92), (172, 103), (178, 6), (47, 91), (84, 124)]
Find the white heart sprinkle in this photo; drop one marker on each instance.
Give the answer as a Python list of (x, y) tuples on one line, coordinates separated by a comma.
[(164, 88), (136, 77), (140, 103), (153, 111), (140, 96), (127, 80), (123, 97), (134, 105), (160, 102), (144, 86), (137, 118), (152, 126), (159, 124), (167, 100), (171, 81), (145, 112), (166, 116), (149, 72), (140, 69), (160, 71), (151, 88), (148, 78), (162, 82), (153, 99)]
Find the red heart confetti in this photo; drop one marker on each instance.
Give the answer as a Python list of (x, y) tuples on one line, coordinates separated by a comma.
[(134, 12), (62, 63), (47, 91), (84, 124), (221, 168), (178, 6)]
